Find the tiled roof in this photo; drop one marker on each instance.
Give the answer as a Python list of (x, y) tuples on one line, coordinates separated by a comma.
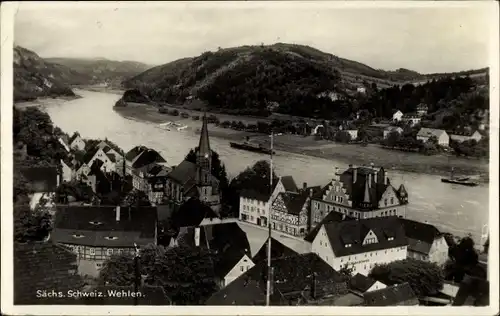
[(473, 292), (147, 157), (134, 152), (430, 132), (393, 128), (185, 175), (391, 296), (292, 274), (278, 250), (43, 266), (93, 226), (191, 213), (289, 184), (420, 231), (332, 217), (294, 202), (253, 194), (42, 179), (354, 232), (467, 133), (361, 283), (150, 295)]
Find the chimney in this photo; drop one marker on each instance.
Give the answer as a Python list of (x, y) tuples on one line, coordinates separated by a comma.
[(118, 213), (310, 192), (369, 180), (304, 185), (197, 236), (354, 175), (385, 177)]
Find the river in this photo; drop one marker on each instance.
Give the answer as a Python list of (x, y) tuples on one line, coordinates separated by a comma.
[(456, 209)]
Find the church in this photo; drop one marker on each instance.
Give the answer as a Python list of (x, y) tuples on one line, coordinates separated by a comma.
[(195, 180)]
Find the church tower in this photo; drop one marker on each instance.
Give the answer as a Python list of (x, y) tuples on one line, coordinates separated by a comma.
[(204, 156)]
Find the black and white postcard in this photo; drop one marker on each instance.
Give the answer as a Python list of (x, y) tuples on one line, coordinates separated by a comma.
[(250, 157)]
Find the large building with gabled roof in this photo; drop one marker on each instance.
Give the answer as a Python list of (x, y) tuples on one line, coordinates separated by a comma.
[(359, 192)]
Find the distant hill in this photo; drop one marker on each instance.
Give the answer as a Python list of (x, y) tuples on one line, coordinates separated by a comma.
[(250, 79), (35, 77), (102, 70)]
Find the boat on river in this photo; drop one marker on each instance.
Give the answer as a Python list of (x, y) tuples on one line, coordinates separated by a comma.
[(251, 147), (467, 181)]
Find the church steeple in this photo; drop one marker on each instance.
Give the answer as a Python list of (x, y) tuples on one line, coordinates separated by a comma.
[(204, 154)]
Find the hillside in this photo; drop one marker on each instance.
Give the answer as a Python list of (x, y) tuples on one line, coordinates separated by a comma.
[(287, 78), (35, 77), (102, 70)]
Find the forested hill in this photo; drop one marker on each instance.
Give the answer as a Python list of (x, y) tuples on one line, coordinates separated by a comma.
[(286, 78), (101, 70), (35, 77)]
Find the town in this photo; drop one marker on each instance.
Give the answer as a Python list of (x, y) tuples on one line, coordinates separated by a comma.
[(98, 219)]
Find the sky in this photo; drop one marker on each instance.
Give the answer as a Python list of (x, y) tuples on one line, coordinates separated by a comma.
[(424, 39)]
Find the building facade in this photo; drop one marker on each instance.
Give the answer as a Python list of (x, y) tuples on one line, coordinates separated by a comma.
[(359, 192), (361, 244), (290, 213), (464, 136), (425, 134)]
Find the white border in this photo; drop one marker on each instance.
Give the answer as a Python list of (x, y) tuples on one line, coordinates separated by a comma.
[(7, 18)]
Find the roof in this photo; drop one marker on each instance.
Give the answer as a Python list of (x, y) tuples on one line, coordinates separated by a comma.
[(391, 296), (43, 266), (294, 202), (473, 292), (364, 194), (422, 106), (204, 144), (464, 132), (42, 179), (191, 213), (354, 232), (289, 184), (292, 274), (150, 295), (430, 132), (146, 157), (94, 225), (420, 236), (73, 137), (185, 175), (134, 152), (393, 128), (361, 283), (278, 250), (332, 217)]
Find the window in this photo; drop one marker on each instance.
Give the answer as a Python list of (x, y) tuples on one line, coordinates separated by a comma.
[(392, 200), (390, 238), (385, 202), (110, 252), (242, 268), (92, 251)]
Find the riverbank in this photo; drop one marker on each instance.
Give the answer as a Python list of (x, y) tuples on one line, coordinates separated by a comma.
[(41, 100), (348, 153)]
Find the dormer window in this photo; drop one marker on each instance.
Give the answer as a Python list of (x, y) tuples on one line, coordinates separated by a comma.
[(111, 237), (78, 236), (390, 238), (96, 223), (348, 245)]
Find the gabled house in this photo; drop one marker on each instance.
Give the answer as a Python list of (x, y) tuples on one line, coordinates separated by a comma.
[(44, 182), (195, 180), (392, 129), (424, 134), (152, 180), (68, 170), (290, 212), (360, 244), (229, 244), (141, 156), (359, 192), (395, 295), (296, 280), (76, 142), (361, 284), (461, 136), (425, 242), (255, 205), (397, 116), (95, 233)]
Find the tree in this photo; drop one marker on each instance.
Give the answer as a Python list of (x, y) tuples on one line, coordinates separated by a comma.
[(136, 198), (342, 137), (186, 274), (392, 139), (76, 190), (255, 178), (31, 225), (425, 278)]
